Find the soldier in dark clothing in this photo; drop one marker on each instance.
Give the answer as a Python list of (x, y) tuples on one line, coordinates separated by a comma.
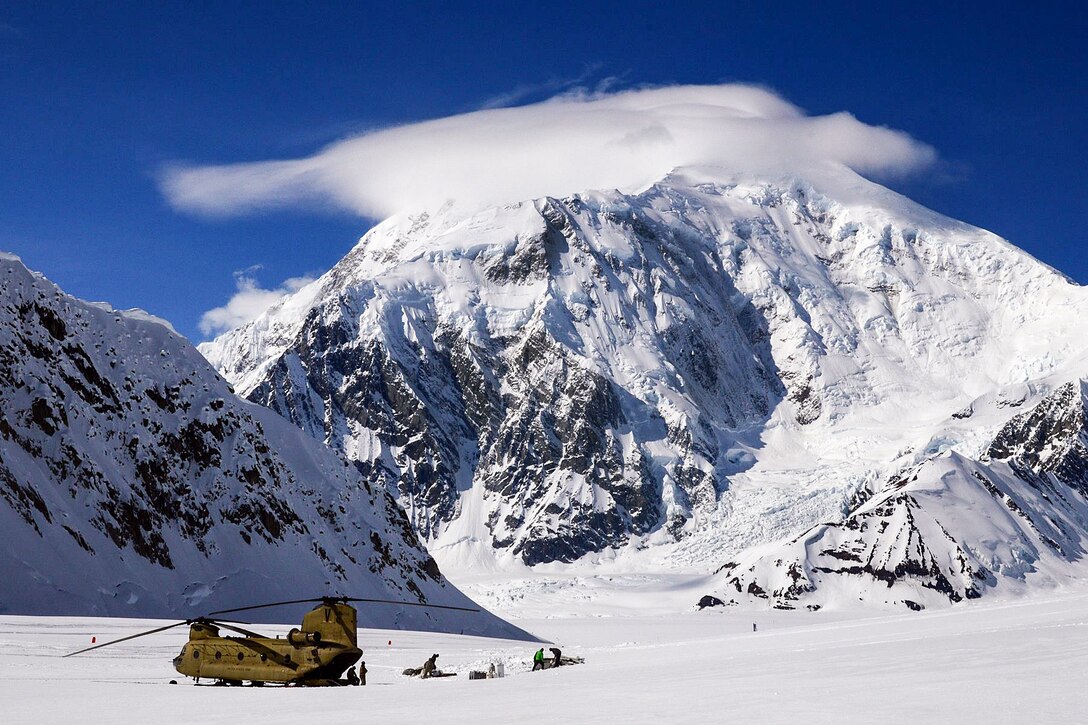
[(429, 667), (556, 654), (352, 678), (362, 673)]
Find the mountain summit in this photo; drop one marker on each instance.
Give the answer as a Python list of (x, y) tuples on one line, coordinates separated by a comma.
[(712, 363)]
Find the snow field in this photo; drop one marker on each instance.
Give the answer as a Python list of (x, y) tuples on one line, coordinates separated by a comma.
[(1011, 661)]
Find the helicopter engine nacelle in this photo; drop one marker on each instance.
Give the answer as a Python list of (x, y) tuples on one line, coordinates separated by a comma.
[(298, 638)]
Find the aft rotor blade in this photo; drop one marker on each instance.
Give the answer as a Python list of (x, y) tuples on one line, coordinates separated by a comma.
[(131, 636)]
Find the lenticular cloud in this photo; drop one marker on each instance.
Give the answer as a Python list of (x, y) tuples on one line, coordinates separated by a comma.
[(571, 143)]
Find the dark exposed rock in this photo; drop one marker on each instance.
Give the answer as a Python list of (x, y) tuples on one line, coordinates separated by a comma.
[(1050, 438)]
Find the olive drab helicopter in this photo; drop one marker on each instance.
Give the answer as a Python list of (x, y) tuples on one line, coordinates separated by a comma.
[(315, 654)]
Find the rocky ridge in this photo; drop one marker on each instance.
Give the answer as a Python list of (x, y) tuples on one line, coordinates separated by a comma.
[(134, 482), (946, 530)]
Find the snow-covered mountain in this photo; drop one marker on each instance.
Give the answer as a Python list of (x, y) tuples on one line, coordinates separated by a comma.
[(676, 375), (134, 482), (947, 529)]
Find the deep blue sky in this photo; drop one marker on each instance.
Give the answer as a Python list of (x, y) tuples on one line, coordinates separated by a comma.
[(95, 97)]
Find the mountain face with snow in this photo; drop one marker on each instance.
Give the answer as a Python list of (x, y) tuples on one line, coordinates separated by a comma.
[(711, 364), (134, 482), (947, 529)]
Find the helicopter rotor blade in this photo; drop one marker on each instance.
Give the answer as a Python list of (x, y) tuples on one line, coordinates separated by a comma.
[(228, 621), (263, 606), (341, 599), (231, 627), (409, 604), (132, 636)]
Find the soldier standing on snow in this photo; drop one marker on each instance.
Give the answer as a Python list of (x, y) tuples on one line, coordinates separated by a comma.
[(362, 673)]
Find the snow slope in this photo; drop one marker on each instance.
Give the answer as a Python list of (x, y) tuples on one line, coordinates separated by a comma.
[(134, 482), (668, 377)]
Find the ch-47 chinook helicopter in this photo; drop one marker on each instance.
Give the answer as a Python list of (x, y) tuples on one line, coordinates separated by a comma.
[(315, 654)]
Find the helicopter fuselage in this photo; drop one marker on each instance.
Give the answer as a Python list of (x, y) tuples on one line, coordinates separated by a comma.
[(316, 654)]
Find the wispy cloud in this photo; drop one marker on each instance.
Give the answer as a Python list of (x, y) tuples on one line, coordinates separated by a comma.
[(551, 86), (248, 302), (578, 140)]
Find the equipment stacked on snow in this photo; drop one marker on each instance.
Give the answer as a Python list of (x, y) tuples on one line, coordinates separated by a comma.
[(564, 661), (428, 670)]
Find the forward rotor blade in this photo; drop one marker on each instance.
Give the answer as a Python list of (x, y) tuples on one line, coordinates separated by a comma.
[(132, 636), (409, 604), (230, 621), (263, 606), (232, 628), (340, 599)]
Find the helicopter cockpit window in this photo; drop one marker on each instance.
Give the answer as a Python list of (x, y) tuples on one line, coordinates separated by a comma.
[(219, 655), (196, 654), (264, 657), (241, 656)]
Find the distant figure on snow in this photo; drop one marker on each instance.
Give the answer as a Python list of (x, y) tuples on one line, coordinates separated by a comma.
[(362, 673), (352, 678), (538, 660), (556, 654), (429, 667)]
